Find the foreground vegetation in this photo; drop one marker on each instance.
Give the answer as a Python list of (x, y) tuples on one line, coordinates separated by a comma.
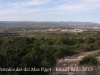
[(89, 60), (42, 52)]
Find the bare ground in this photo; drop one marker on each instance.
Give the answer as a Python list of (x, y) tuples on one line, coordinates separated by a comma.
[(70, 66)]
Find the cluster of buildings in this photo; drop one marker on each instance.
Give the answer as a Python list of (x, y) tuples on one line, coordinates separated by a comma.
[(74, 30), (70, 30)]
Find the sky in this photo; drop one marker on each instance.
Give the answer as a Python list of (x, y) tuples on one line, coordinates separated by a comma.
[(50, 10)]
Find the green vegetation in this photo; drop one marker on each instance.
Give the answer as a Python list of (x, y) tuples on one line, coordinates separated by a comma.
[(43, 50), (31, 52), (89, 60)]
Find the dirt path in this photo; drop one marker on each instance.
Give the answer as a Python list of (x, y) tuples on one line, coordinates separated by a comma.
[(63, 65)]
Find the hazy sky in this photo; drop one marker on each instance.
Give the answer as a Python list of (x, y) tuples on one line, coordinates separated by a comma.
[(50, 10)]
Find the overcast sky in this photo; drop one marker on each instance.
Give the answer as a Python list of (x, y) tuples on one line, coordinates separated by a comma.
[(50, 10)]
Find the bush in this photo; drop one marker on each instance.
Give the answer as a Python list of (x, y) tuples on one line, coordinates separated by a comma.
[(89, 60)]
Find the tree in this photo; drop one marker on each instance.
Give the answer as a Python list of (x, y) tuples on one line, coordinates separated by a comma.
[(89, 40)]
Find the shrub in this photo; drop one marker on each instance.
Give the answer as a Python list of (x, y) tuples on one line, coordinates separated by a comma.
[(89, 60)]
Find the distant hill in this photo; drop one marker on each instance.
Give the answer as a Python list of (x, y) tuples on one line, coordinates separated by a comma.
[(32, 23)]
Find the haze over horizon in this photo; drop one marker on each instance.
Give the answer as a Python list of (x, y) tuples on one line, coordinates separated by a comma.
[(50, 10)]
